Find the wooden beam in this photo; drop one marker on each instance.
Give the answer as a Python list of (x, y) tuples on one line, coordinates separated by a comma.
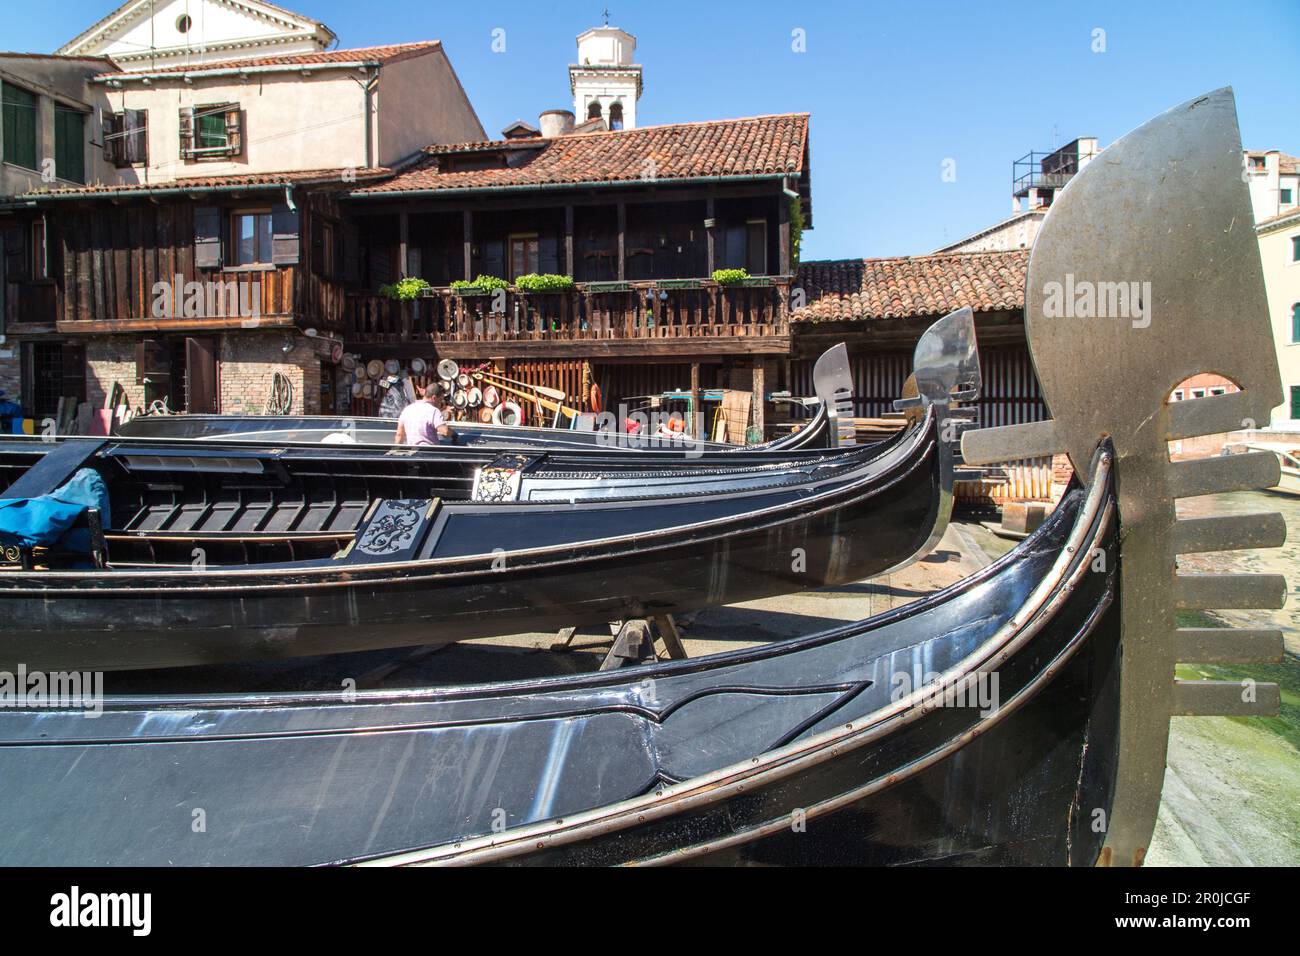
[(622, 241), (683, 350), (568, 239), (404, 242), (467, 230), (709, 237), (698, 427)]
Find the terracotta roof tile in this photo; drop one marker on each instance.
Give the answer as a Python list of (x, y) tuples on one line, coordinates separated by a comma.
[(296, 177), (721, 148), (370, 54), (908, 286)]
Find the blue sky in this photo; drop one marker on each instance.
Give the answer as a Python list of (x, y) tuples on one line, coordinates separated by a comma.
[(894, 89)]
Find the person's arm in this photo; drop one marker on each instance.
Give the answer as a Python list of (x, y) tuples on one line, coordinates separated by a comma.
[(400, 437), (444, 430)]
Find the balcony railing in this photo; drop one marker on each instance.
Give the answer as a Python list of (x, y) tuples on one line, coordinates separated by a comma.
[(664, 309)]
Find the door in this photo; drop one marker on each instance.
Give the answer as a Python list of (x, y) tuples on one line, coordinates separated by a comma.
[(200, 376), (524, 255)]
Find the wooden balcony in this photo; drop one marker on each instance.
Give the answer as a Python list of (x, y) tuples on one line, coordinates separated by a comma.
[(607, 318)]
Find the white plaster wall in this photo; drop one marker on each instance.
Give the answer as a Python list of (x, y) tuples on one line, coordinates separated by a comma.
[(291, 122), (1282, 279), (419, 102)]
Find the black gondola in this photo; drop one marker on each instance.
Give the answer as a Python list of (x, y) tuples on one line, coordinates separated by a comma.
[(814, 749), (422, 570)]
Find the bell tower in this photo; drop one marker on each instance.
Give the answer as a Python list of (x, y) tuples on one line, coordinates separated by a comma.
[(606, 84)]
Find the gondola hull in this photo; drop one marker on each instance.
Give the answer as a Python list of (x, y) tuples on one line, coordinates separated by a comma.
[(773, 754)]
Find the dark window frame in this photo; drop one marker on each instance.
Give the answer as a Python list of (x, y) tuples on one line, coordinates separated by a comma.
[(126, 138), (198, 122), (264, 216)]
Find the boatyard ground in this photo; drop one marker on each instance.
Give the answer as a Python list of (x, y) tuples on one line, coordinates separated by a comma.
[(1232, 785)]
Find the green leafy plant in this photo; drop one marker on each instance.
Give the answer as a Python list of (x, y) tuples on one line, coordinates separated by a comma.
[(544, 283), (404, 289), (482, 283), (730, 276)]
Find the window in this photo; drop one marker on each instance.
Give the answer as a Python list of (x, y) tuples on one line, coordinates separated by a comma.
[(1220, 390), (593, 110), (1295, 248), (523, 256), (126, 141), (1257, 164), (252, 233), (1178, 395), (616, 116), (40, 269), (1284, 196), (1295, 322), (1198, 393), (183, 23), (18, 115), (69, 144), (214, 131), (1295, 401)]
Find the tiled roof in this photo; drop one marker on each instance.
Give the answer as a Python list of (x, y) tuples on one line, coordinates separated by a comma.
[(370, 54), (1288, 164), (722, 148), (908, 286), (1272, 222), (297, 177)]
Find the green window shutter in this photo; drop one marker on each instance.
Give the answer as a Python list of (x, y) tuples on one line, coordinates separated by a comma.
[(69, 145), (1295, 401), (1295, 322), (18, 108)]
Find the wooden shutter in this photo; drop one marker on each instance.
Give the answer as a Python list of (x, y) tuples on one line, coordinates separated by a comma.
[(285, 240), (136, 149), (317, 230), (151, 361), (200, 377), (234, 131), (187, 132), (207, 237), (351, 252), (113, 144), (15, 252)]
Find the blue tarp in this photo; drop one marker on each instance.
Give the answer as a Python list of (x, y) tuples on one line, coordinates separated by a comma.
[(56, 520)]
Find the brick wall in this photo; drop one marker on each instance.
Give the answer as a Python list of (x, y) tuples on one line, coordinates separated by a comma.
[(111, 359), (249, 361), (11, 372)]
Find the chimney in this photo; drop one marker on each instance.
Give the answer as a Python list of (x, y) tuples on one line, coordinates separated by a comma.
[(554, 123)]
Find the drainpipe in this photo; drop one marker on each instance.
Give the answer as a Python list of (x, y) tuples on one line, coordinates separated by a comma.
[(372, 81)]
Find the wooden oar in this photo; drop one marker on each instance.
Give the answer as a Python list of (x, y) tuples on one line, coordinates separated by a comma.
[(553, 393), (544, 403)]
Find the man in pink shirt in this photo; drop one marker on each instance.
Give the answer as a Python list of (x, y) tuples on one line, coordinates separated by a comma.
[(423, 422)]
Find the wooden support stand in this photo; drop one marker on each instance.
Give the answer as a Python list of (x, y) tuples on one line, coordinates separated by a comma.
[(634, 641)]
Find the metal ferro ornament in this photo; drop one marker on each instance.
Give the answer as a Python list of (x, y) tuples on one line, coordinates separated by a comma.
[(1146, 272)]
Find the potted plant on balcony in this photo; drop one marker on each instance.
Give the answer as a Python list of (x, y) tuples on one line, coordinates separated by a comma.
[(483, 285), (405, 289), (740, 278), (544, 283)]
